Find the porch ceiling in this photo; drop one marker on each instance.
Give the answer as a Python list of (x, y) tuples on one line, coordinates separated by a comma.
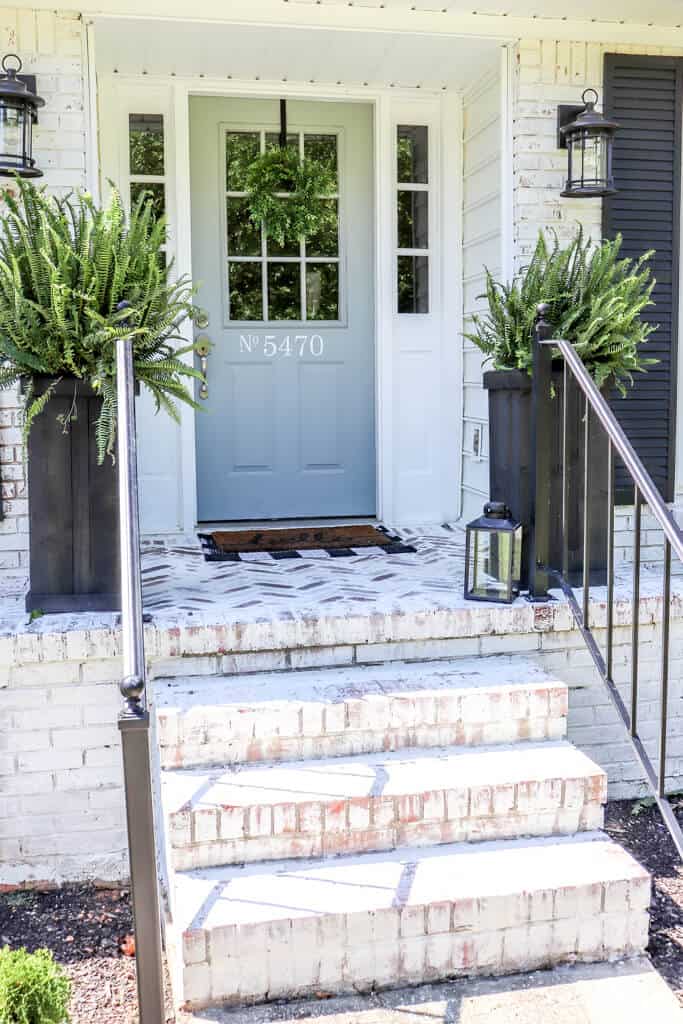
[(333, 56)]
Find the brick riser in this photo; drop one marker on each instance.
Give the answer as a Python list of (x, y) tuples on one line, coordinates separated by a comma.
[(563, 793), (304, 727), (565, 915)]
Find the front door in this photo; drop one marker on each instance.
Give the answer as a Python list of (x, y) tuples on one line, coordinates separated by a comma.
[(287, 429)]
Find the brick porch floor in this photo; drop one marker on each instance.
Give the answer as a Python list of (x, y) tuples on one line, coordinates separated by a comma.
[(180, 587)]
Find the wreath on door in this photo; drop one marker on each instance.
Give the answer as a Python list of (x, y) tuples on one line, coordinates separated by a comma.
[(290, 196)]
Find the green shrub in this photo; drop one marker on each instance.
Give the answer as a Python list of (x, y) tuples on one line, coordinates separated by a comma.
[(33, 988), (596, 299), (65, 265)]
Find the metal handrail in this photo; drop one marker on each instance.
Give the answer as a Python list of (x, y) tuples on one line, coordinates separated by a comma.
[(622, 445), (134, 717), (541, 571)]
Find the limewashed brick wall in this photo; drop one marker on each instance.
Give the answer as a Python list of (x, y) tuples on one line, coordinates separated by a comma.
[(52, 47), (61, 785)]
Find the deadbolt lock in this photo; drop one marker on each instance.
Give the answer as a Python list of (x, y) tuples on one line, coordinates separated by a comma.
[(201, 319), (202, 346)]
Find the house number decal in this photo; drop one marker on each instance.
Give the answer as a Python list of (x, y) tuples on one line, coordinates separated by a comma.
[(291, 345)]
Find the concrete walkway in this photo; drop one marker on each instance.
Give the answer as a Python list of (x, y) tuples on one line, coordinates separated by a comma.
[(623, 993)]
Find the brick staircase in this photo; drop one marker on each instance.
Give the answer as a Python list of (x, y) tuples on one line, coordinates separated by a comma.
[(468, 828)]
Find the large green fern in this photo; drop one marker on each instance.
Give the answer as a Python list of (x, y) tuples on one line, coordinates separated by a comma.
[(65, 265), (596, 299)]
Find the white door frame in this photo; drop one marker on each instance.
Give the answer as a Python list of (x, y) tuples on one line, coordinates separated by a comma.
[(441, 111)]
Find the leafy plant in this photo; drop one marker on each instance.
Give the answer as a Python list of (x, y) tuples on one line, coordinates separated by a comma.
[(288, 195), (33, 988), (65, 265), (596, 299)]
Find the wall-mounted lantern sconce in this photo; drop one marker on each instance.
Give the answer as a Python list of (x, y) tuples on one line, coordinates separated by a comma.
[(18, 113), (588, 137)]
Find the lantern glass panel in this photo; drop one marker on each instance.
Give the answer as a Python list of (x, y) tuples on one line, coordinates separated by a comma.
[(588, 153), (14, 129), (495, 563)]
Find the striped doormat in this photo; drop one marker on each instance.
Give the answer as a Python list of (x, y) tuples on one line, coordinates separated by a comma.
[(336, 541)]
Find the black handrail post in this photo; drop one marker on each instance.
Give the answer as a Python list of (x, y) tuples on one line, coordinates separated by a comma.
[(541, 432), (134, 716)]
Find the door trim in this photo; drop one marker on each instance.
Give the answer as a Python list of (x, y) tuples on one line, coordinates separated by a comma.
[(441, 111)]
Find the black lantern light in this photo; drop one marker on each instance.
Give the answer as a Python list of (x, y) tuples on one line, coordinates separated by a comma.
[(18, 106), (493, 555), (588, 137)]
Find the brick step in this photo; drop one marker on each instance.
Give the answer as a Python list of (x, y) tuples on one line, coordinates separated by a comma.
[(283, 716), (291, 929), (379, 802)]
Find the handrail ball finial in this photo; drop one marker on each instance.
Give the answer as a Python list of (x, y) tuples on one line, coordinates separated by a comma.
[(542, 326)]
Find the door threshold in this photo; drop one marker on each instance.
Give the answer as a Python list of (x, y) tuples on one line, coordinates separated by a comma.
[(277, 524)]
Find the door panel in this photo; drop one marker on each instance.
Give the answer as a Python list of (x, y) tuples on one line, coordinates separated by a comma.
[(288, 426)]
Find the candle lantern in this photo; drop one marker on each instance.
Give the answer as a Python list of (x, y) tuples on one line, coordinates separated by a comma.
[(493, 555)]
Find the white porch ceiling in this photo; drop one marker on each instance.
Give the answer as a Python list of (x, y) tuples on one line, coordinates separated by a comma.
[(268, 53)]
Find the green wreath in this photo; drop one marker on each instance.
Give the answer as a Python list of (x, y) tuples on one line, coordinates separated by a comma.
[(305, 210)]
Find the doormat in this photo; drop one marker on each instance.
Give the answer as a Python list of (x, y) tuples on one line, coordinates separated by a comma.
[(336, 541)]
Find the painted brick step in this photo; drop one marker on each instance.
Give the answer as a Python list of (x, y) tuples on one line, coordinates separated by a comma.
[(292, 929), (379, 802), (284, 716)]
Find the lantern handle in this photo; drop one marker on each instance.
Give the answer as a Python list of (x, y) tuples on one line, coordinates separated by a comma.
[(8, 70), (586, 92)]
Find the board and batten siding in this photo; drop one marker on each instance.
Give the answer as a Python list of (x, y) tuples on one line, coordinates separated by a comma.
[(482, 219)]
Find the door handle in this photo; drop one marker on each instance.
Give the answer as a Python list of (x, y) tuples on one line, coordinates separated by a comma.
[(202, 348)]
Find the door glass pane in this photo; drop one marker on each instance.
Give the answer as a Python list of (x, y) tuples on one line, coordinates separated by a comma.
[(244, 237), (146, 143), (284, 291), (325, 242), (412, 154), (241, 148), (154, 192), (246, 299), (322, 291), (290, 246), (413, 284), (273, 140), (413, 220), (322, 148)]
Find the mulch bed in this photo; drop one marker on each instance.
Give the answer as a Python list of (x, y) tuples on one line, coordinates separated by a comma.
[(638, 826), (87, 928)]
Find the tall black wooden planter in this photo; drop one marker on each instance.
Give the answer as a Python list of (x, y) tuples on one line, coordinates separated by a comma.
[(73, 507), (510, 455)]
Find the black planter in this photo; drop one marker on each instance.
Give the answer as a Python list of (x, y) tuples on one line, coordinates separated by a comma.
[(510, 453), (73, 507)]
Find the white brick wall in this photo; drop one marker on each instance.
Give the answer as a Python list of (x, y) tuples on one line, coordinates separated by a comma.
[(61, 796), (51, 46)]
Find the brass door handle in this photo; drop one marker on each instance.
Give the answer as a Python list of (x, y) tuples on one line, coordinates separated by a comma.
[(202, 348)]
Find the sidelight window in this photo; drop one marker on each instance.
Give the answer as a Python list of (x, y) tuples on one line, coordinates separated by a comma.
[(412, 218), (146, 159)]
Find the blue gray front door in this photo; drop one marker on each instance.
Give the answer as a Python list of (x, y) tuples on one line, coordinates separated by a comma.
[(288, 425)]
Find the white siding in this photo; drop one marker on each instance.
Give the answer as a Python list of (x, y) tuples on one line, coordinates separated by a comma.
[(482, 219)]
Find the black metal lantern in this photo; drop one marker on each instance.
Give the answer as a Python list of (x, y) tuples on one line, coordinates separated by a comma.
[(588, 137), (18, 105), (493, 555)]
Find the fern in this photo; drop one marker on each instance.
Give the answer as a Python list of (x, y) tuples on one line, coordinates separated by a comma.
[(65, 265), (596, 301)]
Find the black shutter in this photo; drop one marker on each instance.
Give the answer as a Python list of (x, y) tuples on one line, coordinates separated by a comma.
[(644, 95)]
